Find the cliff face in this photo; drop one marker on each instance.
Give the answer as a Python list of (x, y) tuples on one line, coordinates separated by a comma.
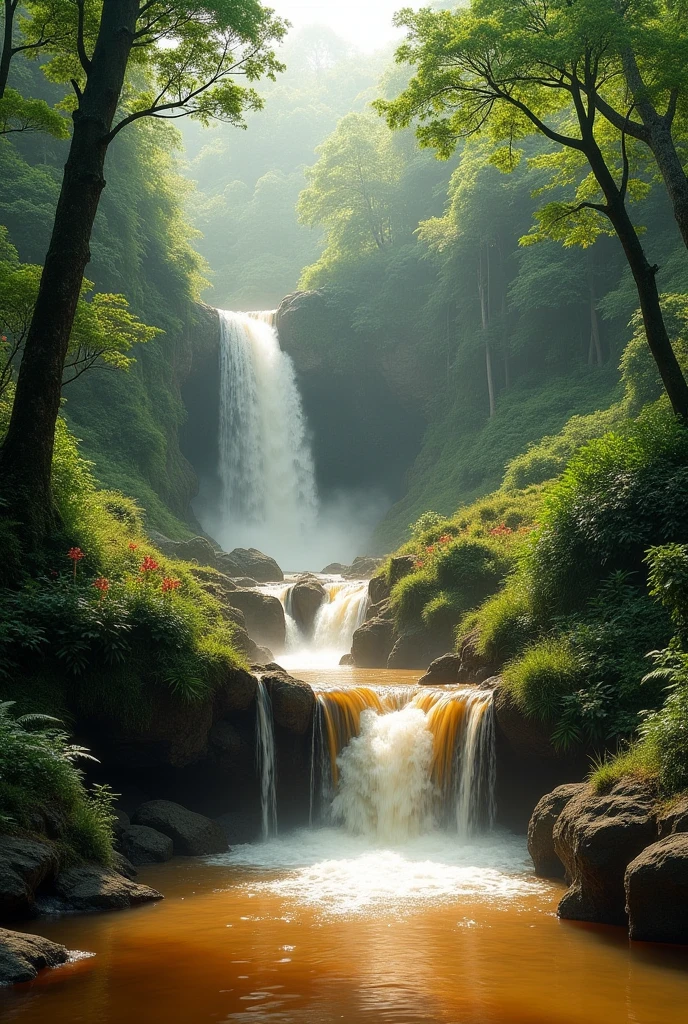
[(364, 401)]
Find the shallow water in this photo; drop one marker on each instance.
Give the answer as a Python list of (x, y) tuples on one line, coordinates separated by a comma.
[(320, 927)]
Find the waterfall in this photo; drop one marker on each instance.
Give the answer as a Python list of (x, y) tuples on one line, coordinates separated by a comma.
[(387, 761), (265, 761), (343, 610), (268, 493)]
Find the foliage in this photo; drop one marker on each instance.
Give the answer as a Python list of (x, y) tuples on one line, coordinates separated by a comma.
[(40, 782), (502, 626), (426, 522), (548, 672)]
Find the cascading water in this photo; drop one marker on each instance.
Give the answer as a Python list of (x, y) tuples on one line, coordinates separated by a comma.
[(268, 492), (387, 762), (339, 616), (266, 761)]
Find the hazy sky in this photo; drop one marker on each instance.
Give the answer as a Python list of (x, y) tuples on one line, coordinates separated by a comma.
[(367, 23)]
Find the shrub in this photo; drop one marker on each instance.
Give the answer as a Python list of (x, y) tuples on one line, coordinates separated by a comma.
[(541, 677), (39, 779), (426, 522), (503, 625), (410, 595)]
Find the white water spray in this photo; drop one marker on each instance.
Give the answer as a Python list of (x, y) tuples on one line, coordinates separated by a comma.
[(269, 498), (266, 761), (339, 616)]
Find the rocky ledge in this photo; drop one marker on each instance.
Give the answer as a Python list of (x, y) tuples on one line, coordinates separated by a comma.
[(22, 956)]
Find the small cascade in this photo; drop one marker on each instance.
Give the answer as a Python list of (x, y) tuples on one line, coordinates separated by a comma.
[(389, 760), (266, 761), (339, 616)]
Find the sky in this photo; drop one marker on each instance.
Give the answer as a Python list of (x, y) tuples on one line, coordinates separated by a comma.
[(366, 23)]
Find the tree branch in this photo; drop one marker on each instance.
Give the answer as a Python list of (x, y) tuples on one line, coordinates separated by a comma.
[(80, 46)]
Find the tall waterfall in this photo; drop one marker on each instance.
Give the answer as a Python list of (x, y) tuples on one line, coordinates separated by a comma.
[(268, 492), (389, 761)]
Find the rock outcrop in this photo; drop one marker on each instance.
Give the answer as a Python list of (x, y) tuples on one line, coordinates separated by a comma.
[(527, 737), (541, 829), (413, 650), (372, 643), (264, 616), (293, 701), (674, 818), (306, 597), (251, 563), (22, 956), (25, 864), (90, 888), (442, 670), (143, 845), (657, 891), (596, 837), (192, 835)]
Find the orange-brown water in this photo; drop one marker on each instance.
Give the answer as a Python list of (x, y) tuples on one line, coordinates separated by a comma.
[(320, 927)]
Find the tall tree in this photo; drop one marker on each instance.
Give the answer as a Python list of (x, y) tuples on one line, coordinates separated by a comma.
[(184, 59), (21, 35), (512, 68)]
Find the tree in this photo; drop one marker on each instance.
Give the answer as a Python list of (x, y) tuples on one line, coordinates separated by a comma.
[(143, 58), (512, 68), (26, 37)]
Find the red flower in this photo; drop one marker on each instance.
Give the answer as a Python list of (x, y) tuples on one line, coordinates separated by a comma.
[(149, 564), (103, 585), (170, 585), (76, 554), (430, 549), (501, 531), (4, 338), (419, 563), (133, 547), (446, 538)]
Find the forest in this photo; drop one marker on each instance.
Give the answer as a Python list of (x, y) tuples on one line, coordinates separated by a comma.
[(433, 288)]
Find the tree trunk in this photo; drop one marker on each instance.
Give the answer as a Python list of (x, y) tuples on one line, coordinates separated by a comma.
[(6, 53), (660, 140), (645, 277), (26, 454)]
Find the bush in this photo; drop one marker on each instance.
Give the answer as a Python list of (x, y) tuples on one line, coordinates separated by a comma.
[(541, 677), (410, 595), (39, 782), (503, 625)]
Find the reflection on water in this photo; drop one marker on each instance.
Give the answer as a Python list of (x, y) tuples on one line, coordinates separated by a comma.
[(320, 927)]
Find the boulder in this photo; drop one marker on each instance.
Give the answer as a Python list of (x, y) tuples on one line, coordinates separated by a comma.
[(229, 748), (378, 590), (372, 643), (123, 865), (305, 599), (252, 563), (674, 818), (238, 693), (399, 567), (541, 829), (346, 659), (91, 888), (245, 582), (193, 835), (121, 820), (362, 568), (24, 865), (527, 737), (264, 614), (216, 583), (412, 650), (334, 569), (293, 701), (442, 670), (22, 956), (596, 837), (198, 549), (144, 845), (657, 891)]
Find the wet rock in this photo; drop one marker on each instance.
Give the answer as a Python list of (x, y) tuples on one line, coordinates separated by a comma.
[(412, 651), (306, 598), (262, 657), (245, 582), (91, 888), (346, 659), (362, 568), (22, 956), (193, 835), (251, 563), (527, 737), (541, 829), (123, 866), (293, 701), (334, 569), (378, 590), (238, 693), (674, 818), (442, 670), (596, 837), (657, 891), (229, 748), (264, 615), (144, 845), (372, 643), (25, 864)]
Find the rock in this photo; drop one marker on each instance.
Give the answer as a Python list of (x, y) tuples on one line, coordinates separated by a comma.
[(657, 891), (90, 888), (24, 865), (527, 737), (674, 818), (541, 829), (596, 838), (193, 835), (22, 956), (442, 670), (361, 568), (378, 590), (252, 563), (238, 693), (144, 845), (334, 569), (198, 549), (244, 582), (372, 643), (293, 701), (263, 656), (123, 866), (229, 748), (305, 599), (399, 567), (216, 583), (121, 821), (264, 614), (346, 659), (411, 650)]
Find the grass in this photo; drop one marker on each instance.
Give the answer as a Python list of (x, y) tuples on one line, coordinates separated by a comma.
[(538, 680)]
